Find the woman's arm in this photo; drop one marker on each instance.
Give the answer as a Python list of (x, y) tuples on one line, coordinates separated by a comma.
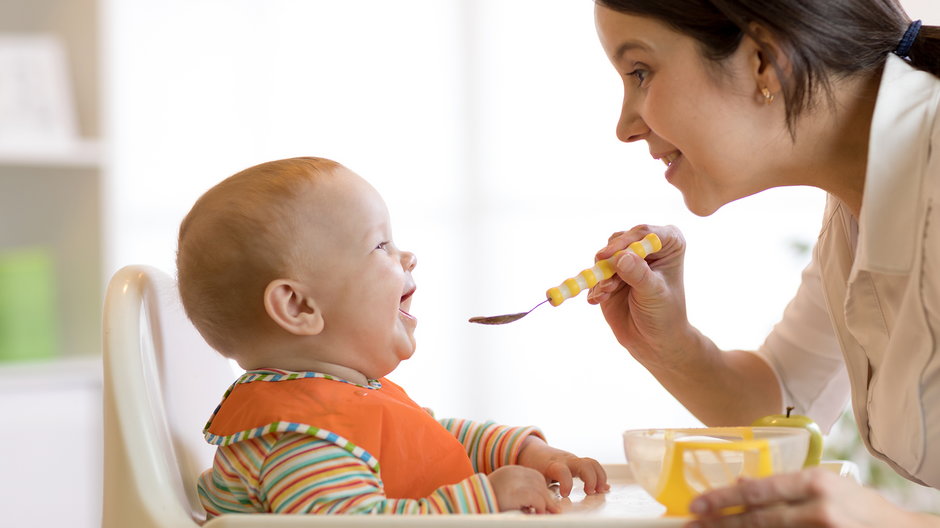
[(722, 388)]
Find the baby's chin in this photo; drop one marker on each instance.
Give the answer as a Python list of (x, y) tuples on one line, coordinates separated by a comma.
[(405, 355), (387, 369)]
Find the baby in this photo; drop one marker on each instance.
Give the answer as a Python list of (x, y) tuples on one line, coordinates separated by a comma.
[(289, 268)]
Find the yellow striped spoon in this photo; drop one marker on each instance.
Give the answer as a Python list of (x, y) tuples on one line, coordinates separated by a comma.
[(601, 270)]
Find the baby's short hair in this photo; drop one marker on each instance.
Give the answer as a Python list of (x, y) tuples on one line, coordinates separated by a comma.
[(235, 240)]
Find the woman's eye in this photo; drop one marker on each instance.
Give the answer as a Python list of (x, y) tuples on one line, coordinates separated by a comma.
[(640, 74)]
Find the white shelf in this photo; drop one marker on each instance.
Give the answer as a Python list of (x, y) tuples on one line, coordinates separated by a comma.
[(85, 153)]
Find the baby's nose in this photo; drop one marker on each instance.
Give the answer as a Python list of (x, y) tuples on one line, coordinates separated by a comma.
[(408, 260)]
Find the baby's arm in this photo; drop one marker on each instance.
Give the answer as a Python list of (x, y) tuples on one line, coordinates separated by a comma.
[(298, 473), (303, 474), (491, 446)]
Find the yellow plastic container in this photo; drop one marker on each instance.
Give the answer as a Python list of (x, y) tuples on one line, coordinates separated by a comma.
[(676, 465)]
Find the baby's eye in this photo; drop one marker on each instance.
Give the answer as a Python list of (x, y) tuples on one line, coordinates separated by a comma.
[(382, 245)]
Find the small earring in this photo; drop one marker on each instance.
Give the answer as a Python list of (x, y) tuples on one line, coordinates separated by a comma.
[(768, 97)]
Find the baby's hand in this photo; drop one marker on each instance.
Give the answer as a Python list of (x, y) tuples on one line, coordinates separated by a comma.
[(562, 466), (519, 488)]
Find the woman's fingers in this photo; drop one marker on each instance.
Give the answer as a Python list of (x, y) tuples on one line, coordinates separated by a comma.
[(670, 236), (622, 239), (788, 488), (813, 497), (604, 289), (633, 270), (630, 271), (773, 516)]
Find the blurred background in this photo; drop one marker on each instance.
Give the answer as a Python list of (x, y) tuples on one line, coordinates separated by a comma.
[(488, 126)]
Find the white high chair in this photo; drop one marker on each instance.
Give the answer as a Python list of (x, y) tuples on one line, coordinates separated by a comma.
[(161, 382)]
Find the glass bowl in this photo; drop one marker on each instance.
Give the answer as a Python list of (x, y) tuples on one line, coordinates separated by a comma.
[(675, 465)]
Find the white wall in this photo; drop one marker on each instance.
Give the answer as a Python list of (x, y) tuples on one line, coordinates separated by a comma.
[(489, 128), (928, 10)]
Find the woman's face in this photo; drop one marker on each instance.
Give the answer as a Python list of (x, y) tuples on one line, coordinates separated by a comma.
[(707, 122)]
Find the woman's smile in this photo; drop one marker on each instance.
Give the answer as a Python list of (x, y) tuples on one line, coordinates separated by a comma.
[(668, 159), (673, 161)]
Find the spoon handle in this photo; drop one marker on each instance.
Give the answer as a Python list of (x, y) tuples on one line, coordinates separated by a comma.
[(602, 270)]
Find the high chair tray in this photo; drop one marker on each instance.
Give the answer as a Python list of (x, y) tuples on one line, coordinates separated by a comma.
[(626, 505)]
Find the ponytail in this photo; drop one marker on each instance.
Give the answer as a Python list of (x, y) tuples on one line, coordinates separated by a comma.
[(925, 50)]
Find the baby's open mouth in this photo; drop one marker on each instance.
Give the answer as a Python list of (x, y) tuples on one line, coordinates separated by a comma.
[(404, 298)]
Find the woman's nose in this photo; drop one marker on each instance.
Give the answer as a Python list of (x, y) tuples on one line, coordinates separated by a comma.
[(408, 260), (631, 126)]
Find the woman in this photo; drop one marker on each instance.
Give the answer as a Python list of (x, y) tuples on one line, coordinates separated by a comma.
[(738, 96)]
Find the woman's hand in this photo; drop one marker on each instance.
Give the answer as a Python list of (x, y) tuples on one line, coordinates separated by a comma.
[(644, 303), (561, 466), (814, 497)]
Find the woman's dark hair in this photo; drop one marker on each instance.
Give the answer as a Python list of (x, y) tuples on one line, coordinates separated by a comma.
[(823, 39)]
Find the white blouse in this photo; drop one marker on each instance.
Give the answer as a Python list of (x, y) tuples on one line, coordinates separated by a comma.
[(865, 322)]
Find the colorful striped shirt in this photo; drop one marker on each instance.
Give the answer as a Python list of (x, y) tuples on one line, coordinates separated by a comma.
[(298, 473)]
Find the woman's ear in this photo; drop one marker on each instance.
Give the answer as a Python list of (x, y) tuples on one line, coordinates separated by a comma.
[(288, 305), (767, 62)]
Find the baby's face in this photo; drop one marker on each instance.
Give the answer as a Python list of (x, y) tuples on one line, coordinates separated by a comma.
[(361, 281)]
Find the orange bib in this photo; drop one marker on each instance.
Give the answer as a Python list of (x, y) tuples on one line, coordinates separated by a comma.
[(408, 449)]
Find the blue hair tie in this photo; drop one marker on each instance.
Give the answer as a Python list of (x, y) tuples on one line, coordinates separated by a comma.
[(904, 47)]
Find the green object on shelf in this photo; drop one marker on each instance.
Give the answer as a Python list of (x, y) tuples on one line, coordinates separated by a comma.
[(28, 328)]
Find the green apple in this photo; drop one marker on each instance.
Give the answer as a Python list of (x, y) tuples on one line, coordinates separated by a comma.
[(814, 454)]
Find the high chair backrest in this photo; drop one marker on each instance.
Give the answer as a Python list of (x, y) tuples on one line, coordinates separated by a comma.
[(161, 383)]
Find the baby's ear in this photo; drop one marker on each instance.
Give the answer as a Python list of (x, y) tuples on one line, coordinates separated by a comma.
[(288, 305)]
